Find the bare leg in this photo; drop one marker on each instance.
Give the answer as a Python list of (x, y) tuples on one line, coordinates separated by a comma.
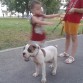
[(74, 45), (67, 43)]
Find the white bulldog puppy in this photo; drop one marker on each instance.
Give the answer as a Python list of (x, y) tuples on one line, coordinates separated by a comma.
[(41, 56)]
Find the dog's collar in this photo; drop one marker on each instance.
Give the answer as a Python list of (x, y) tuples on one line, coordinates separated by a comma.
[(44, 53)]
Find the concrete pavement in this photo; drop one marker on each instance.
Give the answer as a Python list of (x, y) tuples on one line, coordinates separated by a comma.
[(13, 69)]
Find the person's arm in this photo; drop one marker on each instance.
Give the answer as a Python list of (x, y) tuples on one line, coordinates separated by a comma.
[(51, 15), (78, 10), (36, 20)]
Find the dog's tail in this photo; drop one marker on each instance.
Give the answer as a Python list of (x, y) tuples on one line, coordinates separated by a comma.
[(56, 46)]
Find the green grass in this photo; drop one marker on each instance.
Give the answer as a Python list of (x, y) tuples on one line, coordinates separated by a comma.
[(15, 32)]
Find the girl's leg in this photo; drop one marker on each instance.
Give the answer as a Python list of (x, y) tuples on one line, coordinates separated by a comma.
[(74, 45), (73, 50), (68, 36), (67, 43)]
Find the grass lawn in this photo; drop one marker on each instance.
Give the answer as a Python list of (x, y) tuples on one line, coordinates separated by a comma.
[(15, 32)]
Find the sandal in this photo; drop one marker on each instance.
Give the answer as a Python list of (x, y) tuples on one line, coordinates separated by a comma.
[(70, 60), (64, 54)]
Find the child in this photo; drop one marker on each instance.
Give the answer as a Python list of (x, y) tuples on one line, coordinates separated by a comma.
[(37, 22), (71, 25)]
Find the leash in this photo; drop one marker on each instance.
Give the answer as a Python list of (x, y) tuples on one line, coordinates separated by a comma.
[(72, 5), (56, 26)]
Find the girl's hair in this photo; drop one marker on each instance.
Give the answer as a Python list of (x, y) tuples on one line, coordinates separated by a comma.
[(33, 3)]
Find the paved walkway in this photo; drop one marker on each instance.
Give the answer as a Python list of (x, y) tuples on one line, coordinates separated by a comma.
[(13, 69)]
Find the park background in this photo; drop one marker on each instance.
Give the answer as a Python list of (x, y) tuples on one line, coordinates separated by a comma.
[(15, 26)]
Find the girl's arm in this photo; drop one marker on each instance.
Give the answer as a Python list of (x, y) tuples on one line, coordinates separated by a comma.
[(78, 10), (51, 15), (36, 20)]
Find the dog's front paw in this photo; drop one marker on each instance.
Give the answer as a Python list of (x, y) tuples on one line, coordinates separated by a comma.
[(35, 74), (53, 72), (43, 81), (51, 66)]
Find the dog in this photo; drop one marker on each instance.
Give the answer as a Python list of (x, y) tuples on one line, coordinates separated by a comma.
[(41, 56)]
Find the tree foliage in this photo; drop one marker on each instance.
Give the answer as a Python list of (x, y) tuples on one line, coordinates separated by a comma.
[(50, 6), (10, 4)]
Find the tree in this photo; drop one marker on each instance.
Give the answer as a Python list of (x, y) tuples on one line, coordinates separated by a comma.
[(10, 4), (22, 6), (51, 6), (17, 5)]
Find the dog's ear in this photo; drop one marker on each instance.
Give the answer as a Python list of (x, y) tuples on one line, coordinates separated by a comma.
[(31, 48), (34, 46)]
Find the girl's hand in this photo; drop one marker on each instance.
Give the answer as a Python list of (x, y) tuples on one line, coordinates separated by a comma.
[(50, 23), (58, 15), (72, 10)]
